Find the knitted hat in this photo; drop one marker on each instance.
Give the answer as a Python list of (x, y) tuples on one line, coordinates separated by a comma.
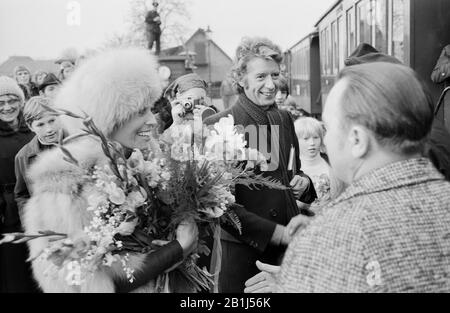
[(9, 86), (365, 53), (21, 68), (50, 79), (111, 87)]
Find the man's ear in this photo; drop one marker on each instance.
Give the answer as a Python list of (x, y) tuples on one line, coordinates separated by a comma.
[(360, 141), (242, 83)]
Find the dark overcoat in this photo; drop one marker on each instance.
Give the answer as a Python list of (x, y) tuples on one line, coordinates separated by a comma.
[(15, 273), (262, 209)]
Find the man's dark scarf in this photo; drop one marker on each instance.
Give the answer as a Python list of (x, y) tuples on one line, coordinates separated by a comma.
[(270, 115)]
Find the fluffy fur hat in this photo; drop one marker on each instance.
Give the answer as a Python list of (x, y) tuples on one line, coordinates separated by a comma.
[(9, 86), (111, 87)]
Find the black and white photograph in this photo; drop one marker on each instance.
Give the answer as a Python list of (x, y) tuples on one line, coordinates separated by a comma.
[(245, 148)]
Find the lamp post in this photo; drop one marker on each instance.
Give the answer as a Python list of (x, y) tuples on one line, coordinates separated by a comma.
[(208, 38)]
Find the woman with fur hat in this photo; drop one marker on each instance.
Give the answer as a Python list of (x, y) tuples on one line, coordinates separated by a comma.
[(117, 89), (15, 274)]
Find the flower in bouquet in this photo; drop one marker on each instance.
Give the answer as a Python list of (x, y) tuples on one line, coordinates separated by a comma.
[(224, 143)]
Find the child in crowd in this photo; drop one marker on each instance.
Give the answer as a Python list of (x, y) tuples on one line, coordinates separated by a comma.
[(310, 133), (48, 131), (23, 77)]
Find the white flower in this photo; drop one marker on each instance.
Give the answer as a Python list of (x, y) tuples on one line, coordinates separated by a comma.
[(214, 212), (109, 259), (136, 161), (165, 175), (101, 250), (96, 199), (225, 125), (135, 199), (105, 241), (116, 195), (224, 142), (127, 228)]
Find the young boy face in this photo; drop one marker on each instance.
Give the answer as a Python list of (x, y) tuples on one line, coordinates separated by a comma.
[(47, 128)]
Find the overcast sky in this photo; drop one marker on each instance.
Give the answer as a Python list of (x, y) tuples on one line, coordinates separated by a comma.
[(39, 28)]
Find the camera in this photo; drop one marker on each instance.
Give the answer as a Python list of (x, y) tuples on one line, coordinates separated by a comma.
[(189, 104)]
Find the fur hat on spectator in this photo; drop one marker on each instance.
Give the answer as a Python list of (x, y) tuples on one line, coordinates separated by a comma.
[(111, 87), (9, 86)]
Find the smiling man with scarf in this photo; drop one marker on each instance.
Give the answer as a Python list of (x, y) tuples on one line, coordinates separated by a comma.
[(266, 212)]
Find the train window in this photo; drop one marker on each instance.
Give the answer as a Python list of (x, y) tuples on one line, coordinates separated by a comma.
[(351, 36), (341, 40), (398, 30), (364, 16), (329, 51), (334, 47), (296, 64), (380, 29), (302, 63), (322, 51)]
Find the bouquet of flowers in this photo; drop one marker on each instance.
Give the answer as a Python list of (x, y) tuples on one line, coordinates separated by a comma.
[(322, 186), (143, 197)]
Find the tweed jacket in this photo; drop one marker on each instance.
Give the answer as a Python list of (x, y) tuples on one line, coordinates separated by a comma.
[(389, 231)]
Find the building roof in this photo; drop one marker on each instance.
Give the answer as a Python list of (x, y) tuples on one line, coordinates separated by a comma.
[(180, 49), (7, 67), (172, 51)]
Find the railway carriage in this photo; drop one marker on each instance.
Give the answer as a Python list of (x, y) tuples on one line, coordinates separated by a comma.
[(413, 31)]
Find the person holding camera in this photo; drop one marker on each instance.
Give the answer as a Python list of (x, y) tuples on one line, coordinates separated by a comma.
[(189, 100)]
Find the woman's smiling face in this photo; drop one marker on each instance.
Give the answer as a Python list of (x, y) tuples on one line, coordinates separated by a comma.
[(138, 131), (9, 108)]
